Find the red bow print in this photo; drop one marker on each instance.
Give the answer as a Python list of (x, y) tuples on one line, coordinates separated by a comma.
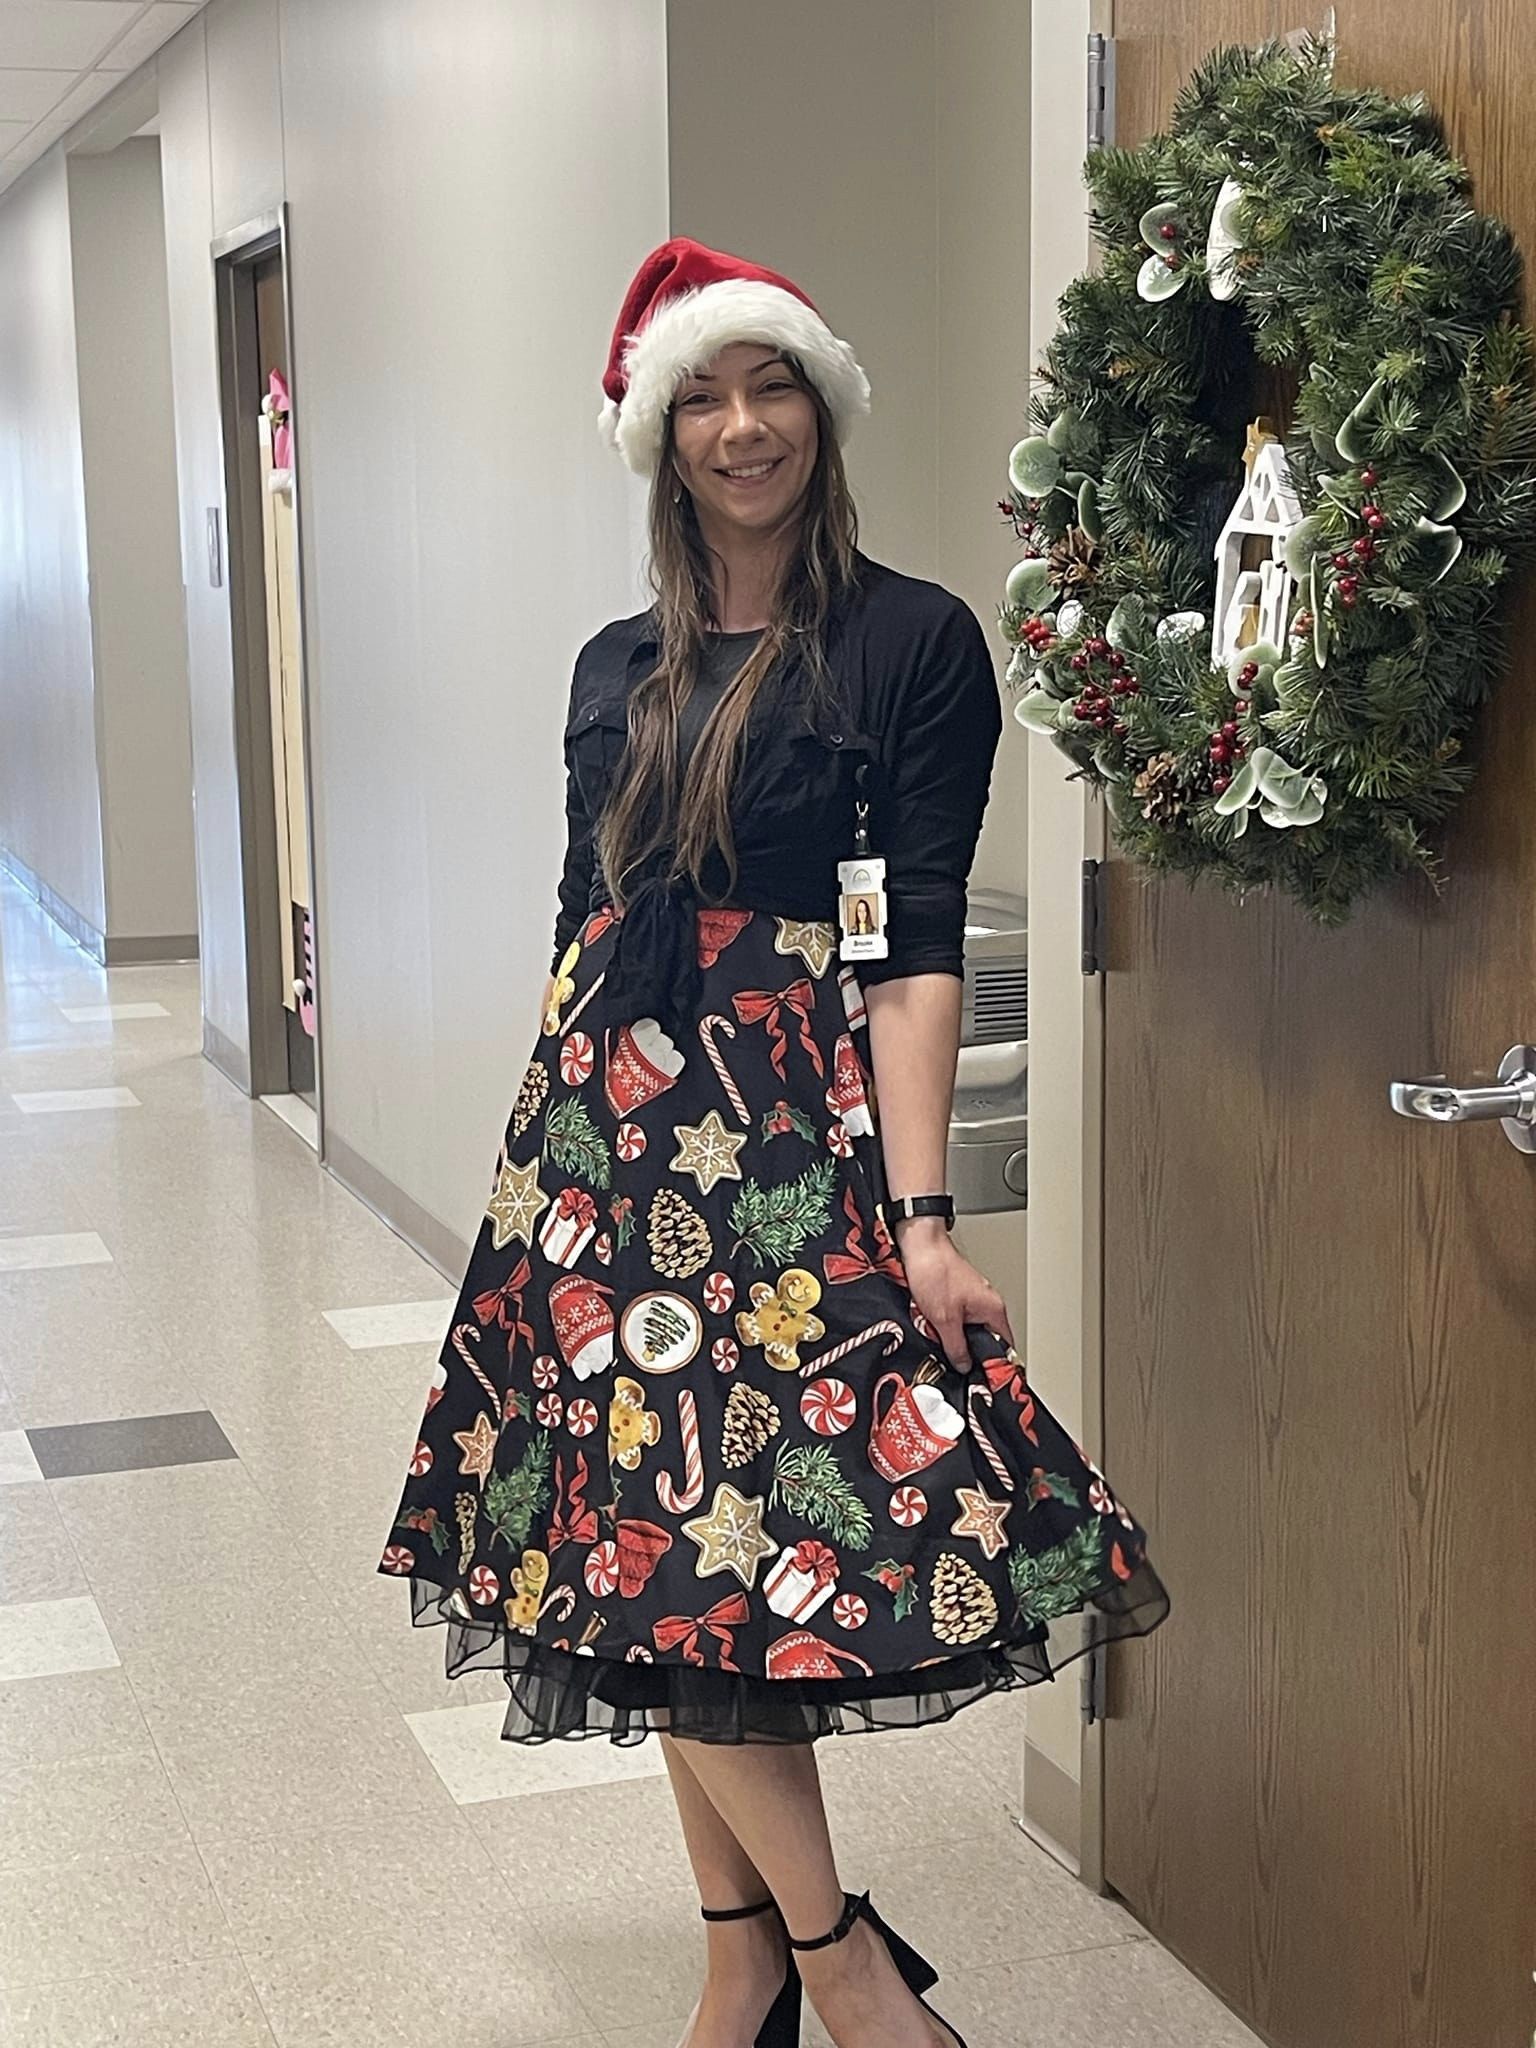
[(577, 1203), (1004, 1377), (854, 1263), (572, 1521), (757, 1005), (722, 1618), (505, 1303), (815, 1561)]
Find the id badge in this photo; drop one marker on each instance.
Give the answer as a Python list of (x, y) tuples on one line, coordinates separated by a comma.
[(861, 907)]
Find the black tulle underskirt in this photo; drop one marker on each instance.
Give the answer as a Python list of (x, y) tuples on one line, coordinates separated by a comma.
[(563, 1695)]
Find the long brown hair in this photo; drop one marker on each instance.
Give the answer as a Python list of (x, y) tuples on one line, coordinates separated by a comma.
[(648, 811)]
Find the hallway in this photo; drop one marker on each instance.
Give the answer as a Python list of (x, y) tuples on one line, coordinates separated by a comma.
[(239, 1805)]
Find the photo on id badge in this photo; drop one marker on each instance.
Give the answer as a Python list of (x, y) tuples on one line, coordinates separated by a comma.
[(861, 908)]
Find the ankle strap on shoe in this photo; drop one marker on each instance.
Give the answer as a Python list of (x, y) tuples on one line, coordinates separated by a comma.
[(853, 1908), (767, 1905)]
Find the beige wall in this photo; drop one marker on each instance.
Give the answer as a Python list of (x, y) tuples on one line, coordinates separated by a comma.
[(470, 187), (117, 237), (50, 817)]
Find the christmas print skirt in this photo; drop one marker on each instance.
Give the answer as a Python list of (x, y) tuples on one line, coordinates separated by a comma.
[(692, 1459)]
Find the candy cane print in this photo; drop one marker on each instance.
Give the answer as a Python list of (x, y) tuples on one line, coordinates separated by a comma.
[(892, 1333), (708, 1026), (975, 1392), (692, 1493), (463, 1331), (591, 992)]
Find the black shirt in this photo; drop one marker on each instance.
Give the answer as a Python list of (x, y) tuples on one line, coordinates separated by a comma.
[(724, 656), (915, 706)]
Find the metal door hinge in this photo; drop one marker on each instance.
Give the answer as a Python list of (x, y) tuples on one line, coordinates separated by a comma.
[(1095, 1689), (1101, 90), (1093, 917)]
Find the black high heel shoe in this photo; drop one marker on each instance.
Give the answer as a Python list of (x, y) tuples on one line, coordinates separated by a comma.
[(781, 2027), (916, 1972)]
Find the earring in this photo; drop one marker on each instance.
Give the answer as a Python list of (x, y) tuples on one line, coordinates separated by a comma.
[(677, 492)]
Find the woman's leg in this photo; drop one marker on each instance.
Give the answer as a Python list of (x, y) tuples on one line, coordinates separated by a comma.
[(768, 1798), (747, 1958)]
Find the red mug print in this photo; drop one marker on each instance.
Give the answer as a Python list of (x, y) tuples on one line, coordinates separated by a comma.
[(802, 1655), (915, 1431)]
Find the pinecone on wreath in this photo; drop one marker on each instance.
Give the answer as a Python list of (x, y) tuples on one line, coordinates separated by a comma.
[(961, 1601), (750, 1420), (1158, 791), (1073, 562), (678, 1236)]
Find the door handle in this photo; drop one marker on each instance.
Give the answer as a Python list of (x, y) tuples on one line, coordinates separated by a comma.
[(1512, 1102)]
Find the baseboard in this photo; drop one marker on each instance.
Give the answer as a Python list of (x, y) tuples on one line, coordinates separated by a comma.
[(233, 1061), (437, 1244), (154, 950), (70, 921)]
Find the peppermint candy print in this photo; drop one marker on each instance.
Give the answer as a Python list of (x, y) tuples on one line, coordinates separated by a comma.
[(546, 1371), (577, 1058), (421, 1460), (601, 1570), (629, 1142), (603, 1248), (581, 1417), (484, 1586), (725, 1354), (829, 1406), (908, 1505), (719, 1293), (549, 1410), (839, 1141), (850, 1611), (398, 1559)]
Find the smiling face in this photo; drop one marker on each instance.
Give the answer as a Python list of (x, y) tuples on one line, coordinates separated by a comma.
[(744, 439)]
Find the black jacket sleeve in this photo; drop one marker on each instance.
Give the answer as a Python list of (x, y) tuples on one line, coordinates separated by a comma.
[(576, 874), (937, 749)]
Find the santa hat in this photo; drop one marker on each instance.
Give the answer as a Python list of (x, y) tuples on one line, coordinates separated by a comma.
[(686, 304)]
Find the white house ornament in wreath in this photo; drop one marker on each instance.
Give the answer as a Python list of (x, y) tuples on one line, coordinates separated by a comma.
[(1296, 713)]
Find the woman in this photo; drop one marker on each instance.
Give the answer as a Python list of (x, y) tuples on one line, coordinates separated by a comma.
[(728, 1440)]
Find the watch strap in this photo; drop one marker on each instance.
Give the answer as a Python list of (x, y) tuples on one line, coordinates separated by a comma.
[(901, 1207)]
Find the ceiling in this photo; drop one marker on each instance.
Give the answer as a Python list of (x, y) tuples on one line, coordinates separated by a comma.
[(58, 58)]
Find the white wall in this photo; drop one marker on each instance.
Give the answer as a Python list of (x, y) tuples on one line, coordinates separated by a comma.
[(49, 811), (123, 361), (470, 188)]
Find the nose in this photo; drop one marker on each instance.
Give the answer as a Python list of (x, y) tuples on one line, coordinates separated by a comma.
[(741, 420)]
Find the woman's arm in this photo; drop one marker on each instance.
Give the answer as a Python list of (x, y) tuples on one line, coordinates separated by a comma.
[(914, 1035)]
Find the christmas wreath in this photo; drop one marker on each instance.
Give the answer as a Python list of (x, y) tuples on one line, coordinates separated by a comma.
[(1267, 645)]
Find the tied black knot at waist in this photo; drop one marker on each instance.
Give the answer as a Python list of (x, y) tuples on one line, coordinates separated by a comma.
[(653, 970)]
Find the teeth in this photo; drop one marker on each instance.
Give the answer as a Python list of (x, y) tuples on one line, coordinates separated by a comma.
[(756, 469)]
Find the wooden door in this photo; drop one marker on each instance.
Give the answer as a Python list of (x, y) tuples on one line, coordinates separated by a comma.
[(1320, 1333)]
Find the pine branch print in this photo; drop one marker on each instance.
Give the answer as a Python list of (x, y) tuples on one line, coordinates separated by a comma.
[(773, 1223), (1058, 1581), (512, 1499), (806, 1477), (573, 1141)]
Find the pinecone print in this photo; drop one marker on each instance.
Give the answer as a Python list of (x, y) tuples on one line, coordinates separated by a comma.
[(1157, 790), (961, 1601), (750, 1420), (678, 1236), (530, 1097), (465, 1507)]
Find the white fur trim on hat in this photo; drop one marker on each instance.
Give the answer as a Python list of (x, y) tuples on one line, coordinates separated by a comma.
[(689, 331)]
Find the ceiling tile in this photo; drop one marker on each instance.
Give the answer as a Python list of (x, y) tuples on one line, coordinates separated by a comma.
[(93, 87), (28, 95), (145, 37), (11, 133), (60, 34)]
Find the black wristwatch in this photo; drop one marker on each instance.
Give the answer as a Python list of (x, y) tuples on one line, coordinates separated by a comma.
[(902, 1206)]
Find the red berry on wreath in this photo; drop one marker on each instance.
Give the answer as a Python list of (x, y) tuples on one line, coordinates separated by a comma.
[(1365, 547), (1341, 561), (1229, 730), (1133, 687), (1367, 476), (1220, 783), (1096, 646), (1079, 661), (1171, 260), (1081, 709), (1116, 658), (1349, 600), (1249, 672), (1221, 750), (1241, 705), (1168, 231), (1121, 728)]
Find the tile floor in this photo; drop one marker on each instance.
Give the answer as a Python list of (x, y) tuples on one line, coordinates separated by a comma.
[(239, 1805)]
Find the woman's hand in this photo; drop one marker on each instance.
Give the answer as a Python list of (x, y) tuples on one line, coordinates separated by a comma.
[(947, 1287)]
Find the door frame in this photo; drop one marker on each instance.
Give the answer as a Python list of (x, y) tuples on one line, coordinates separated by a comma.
[(1063, 1809), (234, 257)]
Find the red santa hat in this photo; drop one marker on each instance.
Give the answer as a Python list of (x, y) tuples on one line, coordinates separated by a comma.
[(686, 304)]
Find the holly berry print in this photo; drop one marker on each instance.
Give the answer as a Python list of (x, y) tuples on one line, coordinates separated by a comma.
[(686, 1415)]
